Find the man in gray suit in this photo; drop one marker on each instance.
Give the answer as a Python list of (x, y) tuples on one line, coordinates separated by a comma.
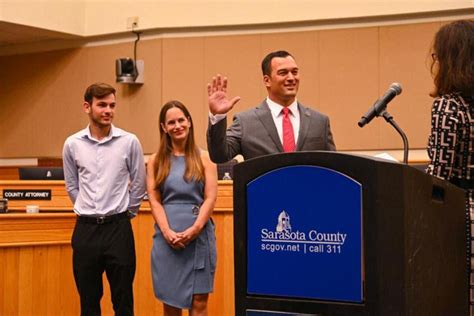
[(261, 130)]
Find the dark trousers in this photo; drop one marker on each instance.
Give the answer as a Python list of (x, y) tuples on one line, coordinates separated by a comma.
[(108, 247)]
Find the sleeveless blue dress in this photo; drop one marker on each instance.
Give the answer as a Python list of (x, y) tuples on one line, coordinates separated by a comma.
[(178, 274)]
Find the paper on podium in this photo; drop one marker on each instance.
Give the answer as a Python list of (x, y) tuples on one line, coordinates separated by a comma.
[(386, 156)]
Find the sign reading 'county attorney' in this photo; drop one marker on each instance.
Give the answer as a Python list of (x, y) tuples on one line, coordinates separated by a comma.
[(19, 194), (304, 228)]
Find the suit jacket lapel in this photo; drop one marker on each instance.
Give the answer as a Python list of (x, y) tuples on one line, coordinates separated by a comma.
[(304, 125), (265, 115)]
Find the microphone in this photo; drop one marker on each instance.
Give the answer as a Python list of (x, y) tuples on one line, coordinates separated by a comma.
[(380, 105)]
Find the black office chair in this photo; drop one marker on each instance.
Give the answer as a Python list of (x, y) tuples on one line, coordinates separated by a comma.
[(222, 168), (41, 173)]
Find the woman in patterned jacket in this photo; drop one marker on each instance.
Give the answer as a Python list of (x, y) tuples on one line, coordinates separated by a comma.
[(451, 143)]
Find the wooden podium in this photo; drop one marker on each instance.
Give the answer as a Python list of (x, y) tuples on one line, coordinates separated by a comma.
[(414, 238)]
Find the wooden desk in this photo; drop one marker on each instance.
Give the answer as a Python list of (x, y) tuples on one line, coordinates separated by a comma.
[(36, 257)]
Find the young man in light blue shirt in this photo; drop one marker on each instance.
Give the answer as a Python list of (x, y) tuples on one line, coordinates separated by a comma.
[(104, 173)]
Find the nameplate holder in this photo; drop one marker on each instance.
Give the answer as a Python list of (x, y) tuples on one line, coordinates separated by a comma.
[(15, 194)]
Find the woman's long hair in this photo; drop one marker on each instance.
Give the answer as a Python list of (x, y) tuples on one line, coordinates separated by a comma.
[(194, 167), (453, 59)]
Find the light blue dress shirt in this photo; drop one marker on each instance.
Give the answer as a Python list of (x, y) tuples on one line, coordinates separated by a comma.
[(104, 177)]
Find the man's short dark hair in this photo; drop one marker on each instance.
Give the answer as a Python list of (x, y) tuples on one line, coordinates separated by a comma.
[(98, 91), (267, 61)]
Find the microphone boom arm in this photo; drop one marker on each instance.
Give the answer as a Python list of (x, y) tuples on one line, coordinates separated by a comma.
[(389, 118)]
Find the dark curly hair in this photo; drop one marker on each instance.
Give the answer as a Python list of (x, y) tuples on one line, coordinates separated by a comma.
[(453, 59)]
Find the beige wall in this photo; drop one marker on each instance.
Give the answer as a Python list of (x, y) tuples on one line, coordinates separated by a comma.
[(343, 72), (92, 17), (198, 13), (66, 16)]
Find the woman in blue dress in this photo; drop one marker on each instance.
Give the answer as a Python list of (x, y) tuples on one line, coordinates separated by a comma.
[(182, 190)]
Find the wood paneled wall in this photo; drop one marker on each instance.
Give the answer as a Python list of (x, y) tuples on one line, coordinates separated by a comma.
[(343, 72), (36, 258), (9, 173), (36, 276)]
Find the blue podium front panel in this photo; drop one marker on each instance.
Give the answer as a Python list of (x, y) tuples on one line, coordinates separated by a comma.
[(304, 235)]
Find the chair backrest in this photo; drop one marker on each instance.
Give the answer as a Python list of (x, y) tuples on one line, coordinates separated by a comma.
[(222, 168), (41, 173)]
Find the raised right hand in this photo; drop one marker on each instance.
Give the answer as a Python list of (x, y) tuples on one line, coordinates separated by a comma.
[(217, 96)]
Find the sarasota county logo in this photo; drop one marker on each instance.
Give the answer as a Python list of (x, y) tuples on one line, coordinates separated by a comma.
[(314, 240), (283, 222)]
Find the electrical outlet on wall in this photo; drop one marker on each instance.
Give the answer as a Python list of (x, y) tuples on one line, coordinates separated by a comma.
[(132, 22)]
